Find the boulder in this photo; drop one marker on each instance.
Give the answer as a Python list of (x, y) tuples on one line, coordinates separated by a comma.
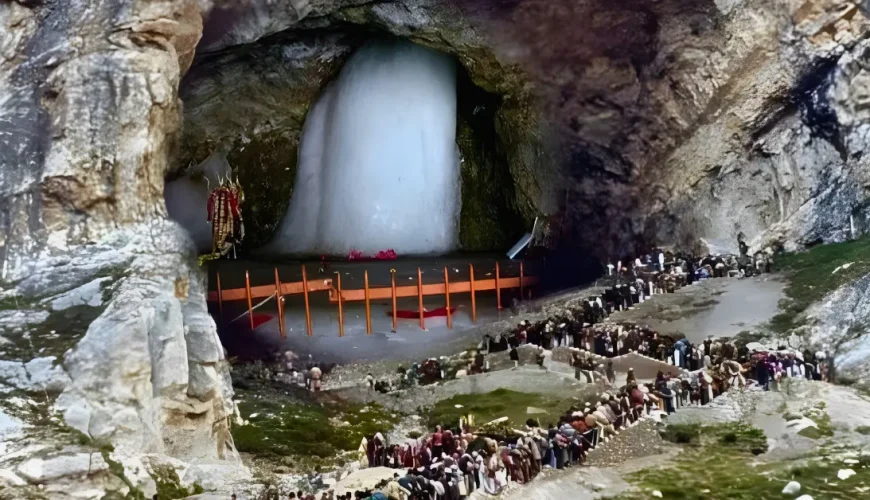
[(40, 471)]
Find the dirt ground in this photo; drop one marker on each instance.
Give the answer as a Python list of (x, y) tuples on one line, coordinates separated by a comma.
[(717, 307)]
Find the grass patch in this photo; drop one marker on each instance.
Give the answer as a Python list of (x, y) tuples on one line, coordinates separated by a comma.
[(863, 429), (497, 404), (811, 276), (721, 465), (305, 434), (682, 433), (17, 303), (60, 332), (734, 435), (169, 485)]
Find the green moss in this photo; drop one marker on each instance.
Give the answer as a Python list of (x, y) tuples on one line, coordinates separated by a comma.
[(824, 427), (117, 470), (863, 429), (682, 433), (17, 303), (722, 465), (169, 485), (811, 276), (266, 168), (306, 434), (735, 435), (60, 332), (491, 217), (496, 404)]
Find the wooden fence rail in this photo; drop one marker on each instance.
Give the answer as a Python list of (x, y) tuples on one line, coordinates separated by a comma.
[(338, 295)]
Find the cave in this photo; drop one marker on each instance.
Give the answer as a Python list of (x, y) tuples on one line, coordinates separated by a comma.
[(353, 139), (623, 126)]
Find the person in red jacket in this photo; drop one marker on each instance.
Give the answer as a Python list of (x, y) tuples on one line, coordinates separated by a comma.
[(437, 442), (636, 399)]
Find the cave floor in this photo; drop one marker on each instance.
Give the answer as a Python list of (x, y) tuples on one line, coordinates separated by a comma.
[(409, 341), (718, 307)]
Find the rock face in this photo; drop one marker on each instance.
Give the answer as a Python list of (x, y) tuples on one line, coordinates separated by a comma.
[(89, 119), (840, 323)]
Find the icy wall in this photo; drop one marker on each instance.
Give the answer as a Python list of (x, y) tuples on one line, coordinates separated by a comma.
[(187, 198), (378, 162)]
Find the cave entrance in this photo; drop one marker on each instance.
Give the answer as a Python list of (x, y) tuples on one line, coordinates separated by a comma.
[(249, 114), (390, 146)]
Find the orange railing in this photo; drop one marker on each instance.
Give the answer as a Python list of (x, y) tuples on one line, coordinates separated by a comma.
[(339, 296)]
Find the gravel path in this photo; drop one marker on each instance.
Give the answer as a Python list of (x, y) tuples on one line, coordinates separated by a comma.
[(639, 441)]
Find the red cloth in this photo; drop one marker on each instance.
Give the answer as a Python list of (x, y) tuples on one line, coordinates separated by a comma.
[(228, 198), (244, 322), (409, 314)]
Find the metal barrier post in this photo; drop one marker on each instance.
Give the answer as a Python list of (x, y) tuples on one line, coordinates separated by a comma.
[(521, 280), (340, 308), (248, 294), (497, 288), (368, 303), (220, 299), (307, 307), (393, 291), (473, 301), (420, 297), (280, 300), (447, 297)]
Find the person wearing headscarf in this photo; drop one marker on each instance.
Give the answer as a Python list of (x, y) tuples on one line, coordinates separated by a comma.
[(362, 453)]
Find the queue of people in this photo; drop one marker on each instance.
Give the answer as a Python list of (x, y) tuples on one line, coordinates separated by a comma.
[(452, 463)]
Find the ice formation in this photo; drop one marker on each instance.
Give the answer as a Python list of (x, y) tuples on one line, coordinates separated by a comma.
[(187, 198), (378, 164)]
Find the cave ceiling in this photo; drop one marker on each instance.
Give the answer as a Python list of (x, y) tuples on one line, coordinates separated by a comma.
[(598, 95)]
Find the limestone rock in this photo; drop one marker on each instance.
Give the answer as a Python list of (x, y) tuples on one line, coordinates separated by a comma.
[(792, 488), (10, 478), (40, 374), (837, 323), (39, 471), (89, 294)]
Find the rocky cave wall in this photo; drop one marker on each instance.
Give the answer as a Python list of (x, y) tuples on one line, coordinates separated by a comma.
[(677, 120), (251, 101), (781, 155), (89, 117)]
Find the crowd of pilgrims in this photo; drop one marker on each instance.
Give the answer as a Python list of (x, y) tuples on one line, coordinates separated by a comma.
[(451, 463)]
